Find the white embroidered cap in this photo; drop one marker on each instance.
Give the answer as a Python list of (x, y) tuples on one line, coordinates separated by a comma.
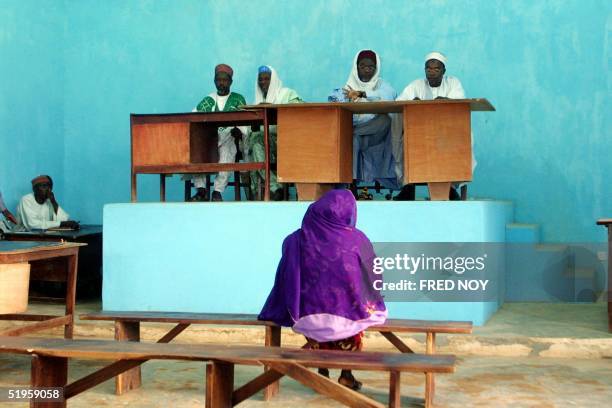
[(437, 56)]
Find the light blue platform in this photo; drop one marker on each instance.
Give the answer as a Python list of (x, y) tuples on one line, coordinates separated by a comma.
[(204, 257)]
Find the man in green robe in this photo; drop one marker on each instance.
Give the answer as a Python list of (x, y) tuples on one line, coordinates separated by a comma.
[(221, 101)]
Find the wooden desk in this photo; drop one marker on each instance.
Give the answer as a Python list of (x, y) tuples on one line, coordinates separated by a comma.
[(19, 252), (90, 258), (185, 143), (608, 223), (315, 141)]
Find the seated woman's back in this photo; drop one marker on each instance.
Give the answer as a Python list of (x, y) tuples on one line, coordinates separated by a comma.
[(324, 282)]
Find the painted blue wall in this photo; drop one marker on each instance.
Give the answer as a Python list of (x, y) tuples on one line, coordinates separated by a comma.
[(31, 97), (543, 64)]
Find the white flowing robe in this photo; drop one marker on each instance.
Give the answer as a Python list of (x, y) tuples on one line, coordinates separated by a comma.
[(449, 88), (277, 94)]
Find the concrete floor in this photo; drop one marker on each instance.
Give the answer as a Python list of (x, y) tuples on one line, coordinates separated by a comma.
[(528, 355)]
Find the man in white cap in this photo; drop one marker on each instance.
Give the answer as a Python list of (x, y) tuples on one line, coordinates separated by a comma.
[(434, 86)]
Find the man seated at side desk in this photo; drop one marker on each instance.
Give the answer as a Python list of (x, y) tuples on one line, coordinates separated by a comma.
[(40, 209)]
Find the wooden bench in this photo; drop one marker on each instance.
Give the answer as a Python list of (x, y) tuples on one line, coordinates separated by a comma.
[(127, 328), (50, 366)]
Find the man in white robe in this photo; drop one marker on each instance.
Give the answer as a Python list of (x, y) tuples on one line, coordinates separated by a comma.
[(269, 89), (434, 86), (40, 210)]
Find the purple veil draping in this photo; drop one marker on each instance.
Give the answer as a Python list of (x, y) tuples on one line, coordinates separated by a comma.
[(324, 281)]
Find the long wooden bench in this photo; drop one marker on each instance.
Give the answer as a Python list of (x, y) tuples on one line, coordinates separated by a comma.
[(50, 366), (127, 328)]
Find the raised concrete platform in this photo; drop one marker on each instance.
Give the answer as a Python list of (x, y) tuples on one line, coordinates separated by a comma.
[(222, 257)]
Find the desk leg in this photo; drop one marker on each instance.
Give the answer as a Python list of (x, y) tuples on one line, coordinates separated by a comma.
[(273, 339), (267, 156), (162, 187), (311, 191), (71, 278), (439, 191), (134, 194), (127, 331), (430, 382), (49, 372)]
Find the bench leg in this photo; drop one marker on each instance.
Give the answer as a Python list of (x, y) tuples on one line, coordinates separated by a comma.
[(430, 381), (395, 397), (127, 331), (49, 372), (219, 385), (273, 339)]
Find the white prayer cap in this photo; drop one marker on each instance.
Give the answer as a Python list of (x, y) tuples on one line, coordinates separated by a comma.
[(437, 56)]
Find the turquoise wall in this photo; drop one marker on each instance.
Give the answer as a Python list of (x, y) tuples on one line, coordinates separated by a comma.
[(543, 64), (31, 97)]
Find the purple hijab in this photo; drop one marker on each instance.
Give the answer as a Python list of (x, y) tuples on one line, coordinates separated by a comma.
[(324, 281)]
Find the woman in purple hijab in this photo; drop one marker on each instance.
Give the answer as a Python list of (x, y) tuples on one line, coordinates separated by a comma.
[(324, 282)]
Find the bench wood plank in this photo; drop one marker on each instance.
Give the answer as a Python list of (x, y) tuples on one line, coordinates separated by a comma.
[(245, 355), (241, 319), (49, 367)]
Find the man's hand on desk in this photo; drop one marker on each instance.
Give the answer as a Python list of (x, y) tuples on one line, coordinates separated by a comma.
[(352, 95), (73, 225)]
